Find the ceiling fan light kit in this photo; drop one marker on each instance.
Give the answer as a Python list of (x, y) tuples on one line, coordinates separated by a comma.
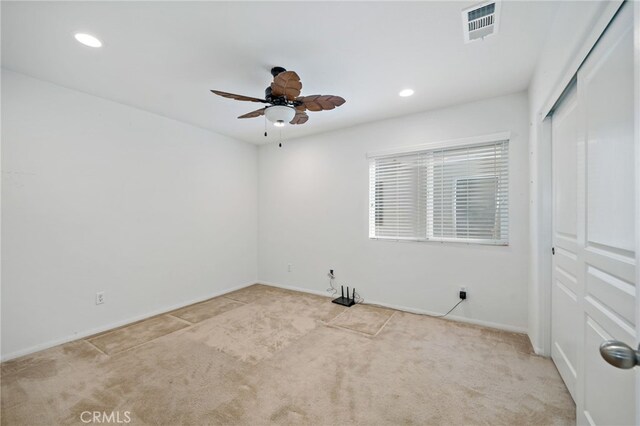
[(285, 103), (279, 115)]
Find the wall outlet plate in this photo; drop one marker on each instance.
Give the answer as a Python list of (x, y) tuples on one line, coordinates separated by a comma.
[(462, 294), (100, 298)]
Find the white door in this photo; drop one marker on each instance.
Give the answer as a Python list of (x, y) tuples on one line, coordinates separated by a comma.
[(593, 291), (566, 287)]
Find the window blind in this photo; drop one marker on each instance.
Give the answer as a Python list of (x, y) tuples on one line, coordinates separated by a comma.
[(445, 194)]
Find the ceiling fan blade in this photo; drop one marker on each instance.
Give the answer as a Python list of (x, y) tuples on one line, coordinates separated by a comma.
[(286, 84), (254, 114), (301, 117), (321, 102), (238, 97)]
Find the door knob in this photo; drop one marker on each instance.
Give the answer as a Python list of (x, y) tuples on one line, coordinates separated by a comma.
[(620, 354)]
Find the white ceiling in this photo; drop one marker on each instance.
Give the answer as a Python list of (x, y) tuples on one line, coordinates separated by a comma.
[(164, 57)]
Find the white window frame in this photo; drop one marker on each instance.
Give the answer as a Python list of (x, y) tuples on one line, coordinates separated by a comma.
[(478, 140)]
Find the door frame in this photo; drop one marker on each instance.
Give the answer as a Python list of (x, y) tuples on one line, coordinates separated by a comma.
[(636, 53)]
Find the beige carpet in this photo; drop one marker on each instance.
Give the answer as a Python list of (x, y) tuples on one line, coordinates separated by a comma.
[(263, 355)]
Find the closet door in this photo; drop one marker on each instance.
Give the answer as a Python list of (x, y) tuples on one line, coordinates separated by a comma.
[(566, 287), (594, 289), (605, 95)]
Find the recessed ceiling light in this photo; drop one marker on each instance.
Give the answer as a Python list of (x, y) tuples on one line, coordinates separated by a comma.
[(88, 40), (406, 92)]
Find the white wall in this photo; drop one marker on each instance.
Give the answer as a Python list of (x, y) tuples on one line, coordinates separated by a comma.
[(576, 28), (98, 196), (313, 202)]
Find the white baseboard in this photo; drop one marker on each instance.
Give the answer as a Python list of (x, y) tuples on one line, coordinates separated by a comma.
[(294, 288), (489, 324), (87, 333), (540, 351)]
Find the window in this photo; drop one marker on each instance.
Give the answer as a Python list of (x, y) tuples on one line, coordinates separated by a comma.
[(447, 194)]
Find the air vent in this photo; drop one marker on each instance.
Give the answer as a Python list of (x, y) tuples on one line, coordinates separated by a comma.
[(480, 21)]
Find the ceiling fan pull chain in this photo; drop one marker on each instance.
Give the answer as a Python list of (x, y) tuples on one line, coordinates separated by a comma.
[(265, 126)]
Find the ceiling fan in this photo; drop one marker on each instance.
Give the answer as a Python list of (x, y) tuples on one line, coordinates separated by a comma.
[(285, 102)]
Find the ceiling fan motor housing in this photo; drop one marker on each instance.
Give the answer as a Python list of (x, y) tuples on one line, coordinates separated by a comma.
[(277, 70), (268, 94), (278, 100)]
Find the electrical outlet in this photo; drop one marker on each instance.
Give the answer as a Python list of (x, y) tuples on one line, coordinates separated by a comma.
[(289, 267), (100, 298), (462, 293)]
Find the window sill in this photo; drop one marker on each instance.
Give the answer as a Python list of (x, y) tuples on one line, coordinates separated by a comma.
[(442, 241)]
